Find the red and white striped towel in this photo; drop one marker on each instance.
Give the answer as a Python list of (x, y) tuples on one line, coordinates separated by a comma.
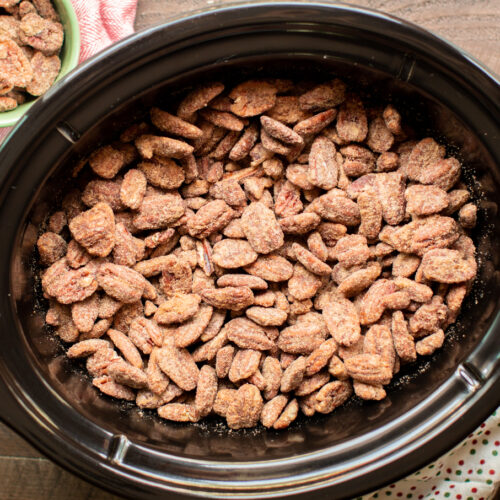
[(102, 22)]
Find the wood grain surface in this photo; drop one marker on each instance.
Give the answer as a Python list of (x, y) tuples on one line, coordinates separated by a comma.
[(472, 25)]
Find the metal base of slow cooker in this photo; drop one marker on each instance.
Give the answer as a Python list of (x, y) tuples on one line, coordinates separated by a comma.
[(358, 447)]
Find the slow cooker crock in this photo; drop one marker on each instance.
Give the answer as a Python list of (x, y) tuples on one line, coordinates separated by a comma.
[(440, 90)]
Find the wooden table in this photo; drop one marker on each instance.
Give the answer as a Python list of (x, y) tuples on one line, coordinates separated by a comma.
[(475, 26)]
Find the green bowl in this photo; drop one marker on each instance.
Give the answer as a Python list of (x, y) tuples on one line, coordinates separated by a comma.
[(69, 55)]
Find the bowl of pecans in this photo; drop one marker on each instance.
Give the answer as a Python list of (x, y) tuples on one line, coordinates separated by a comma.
[(254, 254), (41, 43)]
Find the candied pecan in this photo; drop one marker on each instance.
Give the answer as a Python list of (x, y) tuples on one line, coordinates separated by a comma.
[(125, 250), (342, 321), (335, 207), (157, 212), (266, 316), (315, 124), (95, 192), (252, 98), (299, 175), (317, 246), (212, 217), (323, 96), (425, 200), (279, 131), (150, 145), (332, 395), (245, 408), (87, 348), (288, 201), (456, 199), (428, 317), (418, 292), (272, 410), (179, 412), (126, 346), (387, 162), (379, 138), (237, 280), (405, 265), (331, 232), (162, 172), (7, 103), (145, 334), (303, 284), (352, 124), (293, 375), (312, 384), (403, 341), (174, 125), (368, 391), (378, 340), (190, 331), (179, 365), (177, 309), (133, 189), (85, 312), (425, 234), (222, 400), (128, 375), (370, 210), (222, 119), (150, 400), (287, 110), (245, 143), (223, 361), (233, 298), (447, 266), (429, 344), (245, 363), (467, 216), (158, 382), (106, 161), (301, 338), (66, 285), (369, 369), (231, 254), (42, 34), (300, 223), (358, 160), (352, 250), (391, 192), (120, 282), (423, 155), (261, 228), (337, 368), (206, 390), (247, 335), (95, 229), (372, 304), (359, 280), (319, 358), (265, 299), (310, 261), (199, 98), (45, 71), (208, 351), (51, 247), (323, 168), (111, 388)]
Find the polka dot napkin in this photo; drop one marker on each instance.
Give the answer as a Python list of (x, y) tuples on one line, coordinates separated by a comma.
[(471, 471)]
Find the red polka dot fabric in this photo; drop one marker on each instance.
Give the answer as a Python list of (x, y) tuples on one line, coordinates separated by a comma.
[(471, 471)]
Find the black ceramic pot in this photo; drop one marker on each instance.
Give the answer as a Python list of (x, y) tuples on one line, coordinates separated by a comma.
[(359, 447)]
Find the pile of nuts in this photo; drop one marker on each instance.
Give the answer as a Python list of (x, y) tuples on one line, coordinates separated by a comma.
[(257, 252), (31, 37)]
